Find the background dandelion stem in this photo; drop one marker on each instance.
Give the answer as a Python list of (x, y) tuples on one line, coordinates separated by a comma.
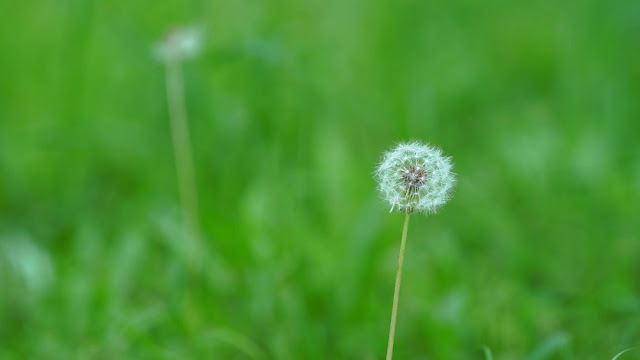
[(183, 157), (396, 292)]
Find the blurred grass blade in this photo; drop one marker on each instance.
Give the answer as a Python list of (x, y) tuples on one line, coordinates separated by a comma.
[(487, 353), (237, 341), (622, 352), (549, 347)]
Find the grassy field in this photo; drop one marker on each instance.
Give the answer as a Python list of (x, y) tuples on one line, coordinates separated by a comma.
[(290, 107)]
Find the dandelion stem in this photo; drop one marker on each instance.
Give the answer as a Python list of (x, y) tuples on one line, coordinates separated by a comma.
[(182, 153), (396, 292)]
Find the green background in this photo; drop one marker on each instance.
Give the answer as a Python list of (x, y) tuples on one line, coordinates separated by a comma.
[(290, 106)]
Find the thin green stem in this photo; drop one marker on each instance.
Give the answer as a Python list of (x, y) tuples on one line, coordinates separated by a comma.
[(182, 152), (396, 292)]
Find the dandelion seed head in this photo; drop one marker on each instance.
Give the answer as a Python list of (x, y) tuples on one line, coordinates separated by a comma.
[(415, 177), (180, 43)]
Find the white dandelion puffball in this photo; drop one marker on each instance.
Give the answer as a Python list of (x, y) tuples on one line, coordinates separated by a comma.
[(415, 177), (180, 43)]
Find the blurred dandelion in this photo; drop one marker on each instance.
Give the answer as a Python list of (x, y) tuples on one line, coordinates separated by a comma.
[(412, 177), (182, 43)]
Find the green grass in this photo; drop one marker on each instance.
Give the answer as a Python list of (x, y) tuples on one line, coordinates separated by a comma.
[(536, 256)]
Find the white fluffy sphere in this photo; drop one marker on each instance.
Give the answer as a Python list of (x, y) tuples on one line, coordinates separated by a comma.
[(415, 177)]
